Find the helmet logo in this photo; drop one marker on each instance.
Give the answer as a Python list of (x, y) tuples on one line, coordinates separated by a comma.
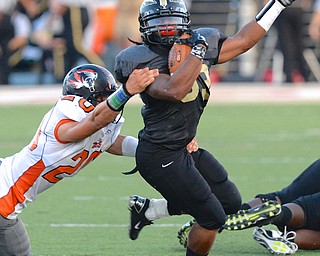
[(86, 78)]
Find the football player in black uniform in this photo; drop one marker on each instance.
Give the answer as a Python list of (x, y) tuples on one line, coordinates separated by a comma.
[(299, 212), (192, 183)]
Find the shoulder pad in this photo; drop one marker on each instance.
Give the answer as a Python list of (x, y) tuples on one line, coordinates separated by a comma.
[(70, 107), (131, 58), (214, 38)]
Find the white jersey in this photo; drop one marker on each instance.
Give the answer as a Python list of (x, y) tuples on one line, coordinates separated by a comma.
[(47, 159)]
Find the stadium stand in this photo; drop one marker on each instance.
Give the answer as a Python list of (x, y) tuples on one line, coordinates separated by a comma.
[(225, 15)]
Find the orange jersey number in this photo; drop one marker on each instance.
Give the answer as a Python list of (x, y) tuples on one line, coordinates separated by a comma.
[(53, 175)]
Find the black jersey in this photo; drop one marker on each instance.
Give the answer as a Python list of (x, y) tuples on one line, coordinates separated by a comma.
[(170, 124)]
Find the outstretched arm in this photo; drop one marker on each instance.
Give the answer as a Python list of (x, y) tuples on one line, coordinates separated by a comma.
[(244, 40), (251, 33)]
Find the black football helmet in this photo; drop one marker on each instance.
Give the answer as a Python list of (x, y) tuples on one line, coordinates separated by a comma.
[(89, 81), (162, 21)]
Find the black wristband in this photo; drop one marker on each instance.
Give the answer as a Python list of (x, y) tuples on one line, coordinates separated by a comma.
[(126, 91)]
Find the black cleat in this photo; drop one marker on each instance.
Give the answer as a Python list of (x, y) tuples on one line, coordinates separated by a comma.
[(138, 206)]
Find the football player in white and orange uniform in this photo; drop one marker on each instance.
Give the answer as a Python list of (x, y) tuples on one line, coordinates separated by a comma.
[(71, 135)]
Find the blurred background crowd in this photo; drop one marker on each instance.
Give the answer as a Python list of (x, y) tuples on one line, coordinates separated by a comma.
[(40, 40)]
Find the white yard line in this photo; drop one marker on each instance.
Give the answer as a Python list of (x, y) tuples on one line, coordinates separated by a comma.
[(220, 93), (104, 225)]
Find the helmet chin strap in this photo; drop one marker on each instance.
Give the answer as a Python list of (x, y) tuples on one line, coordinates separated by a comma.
[(93, 100)]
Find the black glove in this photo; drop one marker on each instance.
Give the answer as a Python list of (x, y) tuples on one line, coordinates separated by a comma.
[(194, 39), (285, 3)]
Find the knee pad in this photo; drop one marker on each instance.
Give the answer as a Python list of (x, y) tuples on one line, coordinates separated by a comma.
[(209, 214), (217, 178), (229, 196)]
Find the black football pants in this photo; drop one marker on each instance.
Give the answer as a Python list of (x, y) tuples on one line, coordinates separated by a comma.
[(195, 184)]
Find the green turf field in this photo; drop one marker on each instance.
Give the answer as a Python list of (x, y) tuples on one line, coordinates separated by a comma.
[(262, 146)]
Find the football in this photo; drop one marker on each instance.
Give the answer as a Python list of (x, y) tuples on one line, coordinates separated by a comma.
[(178, 54)]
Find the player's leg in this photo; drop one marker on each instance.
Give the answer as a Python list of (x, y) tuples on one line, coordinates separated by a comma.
[(14, 239), (209, 218), (301, 219), (221, 186), (186, 192), (307, 227), (267, 212), (308, 239), (217, 178), (304, 218), (301, 216), (305, 184), (264, 209), (200, 240)]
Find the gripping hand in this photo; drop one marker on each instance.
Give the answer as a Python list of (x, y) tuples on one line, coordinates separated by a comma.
[(285, 3), (194, 39)]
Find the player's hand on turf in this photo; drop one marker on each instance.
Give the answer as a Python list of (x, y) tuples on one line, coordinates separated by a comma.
[(194, 39), (285, 3)]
